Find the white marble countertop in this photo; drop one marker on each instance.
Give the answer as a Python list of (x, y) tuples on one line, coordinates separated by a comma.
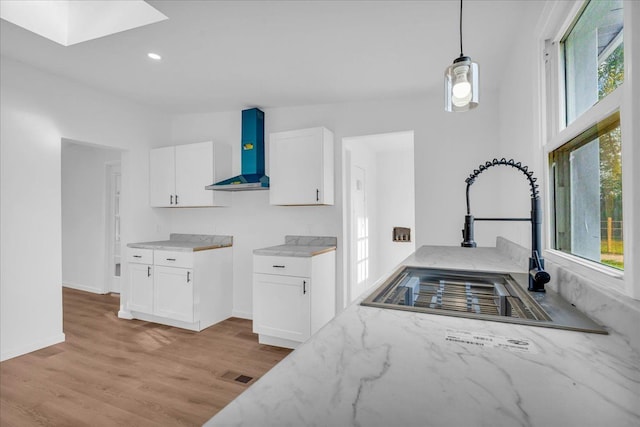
[(377, 367), (186, 243), (300, 246)]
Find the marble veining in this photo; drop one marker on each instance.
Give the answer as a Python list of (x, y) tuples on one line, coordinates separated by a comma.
[(301, 246), (607, 307), (187, 242), (376, 367)]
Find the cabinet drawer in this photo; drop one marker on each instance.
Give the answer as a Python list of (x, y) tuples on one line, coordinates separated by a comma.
[(282, 265), (174, 259), (140, 256)]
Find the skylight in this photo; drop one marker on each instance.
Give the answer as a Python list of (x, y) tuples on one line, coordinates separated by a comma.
[(68, 22)]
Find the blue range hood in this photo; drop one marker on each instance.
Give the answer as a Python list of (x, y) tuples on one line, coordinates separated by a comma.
[(253, 175)]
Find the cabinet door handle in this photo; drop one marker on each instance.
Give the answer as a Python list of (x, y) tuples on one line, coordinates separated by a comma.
[(188, 276), (171, 259), (278, 266), (148, 271), (176, 199), (304, 287), (137, 256), (171, 199), (317, 195)]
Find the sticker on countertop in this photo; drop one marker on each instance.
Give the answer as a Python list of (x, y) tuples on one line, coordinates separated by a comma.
[(478, 339)]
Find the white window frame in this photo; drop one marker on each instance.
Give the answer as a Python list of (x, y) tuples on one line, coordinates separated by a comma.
[(556, 20)]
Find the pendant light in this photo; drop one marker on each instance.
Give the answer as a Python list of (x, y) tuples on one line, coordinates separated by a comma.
[(461, 81)]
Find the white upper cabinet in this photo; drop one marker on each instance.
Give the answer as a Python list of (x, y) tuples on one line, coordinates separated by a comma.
[(301, 167), (162, 176), (178, 175)]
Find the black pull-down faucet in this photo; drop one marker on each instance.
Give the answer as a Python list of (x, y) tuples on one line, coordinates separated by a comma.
[(537, 276)]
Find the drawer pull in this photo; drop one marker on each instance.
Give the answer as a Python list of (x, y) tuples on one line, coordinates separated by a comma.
[(278, 266), (137, 256), (171, 259)]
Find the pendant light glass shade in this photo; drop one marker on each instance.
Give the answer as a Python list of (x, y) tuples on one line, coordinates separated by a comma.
[(461, 81), (461, 85)]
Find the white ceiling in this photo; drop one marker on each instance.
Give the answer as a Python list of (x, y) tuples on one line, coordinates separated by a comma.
[(229, 55)]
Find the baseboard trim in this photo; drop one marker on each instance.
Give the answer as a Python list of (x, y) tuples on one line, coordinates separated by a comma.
[(56, 339), (277, 342), (242, 314), (81, 287)]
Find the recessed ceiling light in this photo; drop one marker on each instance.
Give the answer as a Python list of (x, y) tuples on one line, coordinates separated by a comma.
[(154, 56)]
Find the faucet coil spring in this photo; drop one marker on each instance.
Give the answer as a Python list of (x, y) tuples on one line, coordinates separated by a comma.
[(495, 162)]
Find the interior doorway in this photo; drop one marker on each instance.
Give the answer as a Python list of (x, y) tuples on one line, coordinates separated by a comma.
[(91, 187), (379, 197)]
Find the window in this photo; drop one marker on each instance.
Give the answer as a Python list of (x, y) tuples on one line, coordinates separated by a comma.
[(587, 193), (585, 167), (593, 56)]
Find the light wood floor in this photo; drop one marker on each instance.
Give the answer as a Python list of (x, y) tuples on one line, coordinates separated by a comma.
[(111, 371)]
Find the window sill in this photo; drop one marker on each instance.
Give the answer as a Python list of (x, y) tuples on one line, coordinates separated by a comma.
[(607, 277)]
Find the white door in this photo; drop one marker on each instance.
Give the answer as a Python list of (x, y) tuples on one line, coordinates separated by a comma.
[(194, 171), (282, 306), (113, 227), (162, 177), (141, 282), (359, 233), (173, 293), (295, 169)]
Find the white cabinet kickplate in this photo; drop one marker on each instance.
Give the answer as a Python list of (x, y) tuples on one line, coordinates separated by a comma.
[(491, 341)]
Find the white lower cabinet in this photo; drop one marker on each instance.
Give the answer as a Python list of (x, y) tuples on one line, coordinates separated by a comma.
[(272, 294), (191, 290), (173, 293), (293, 297), (141, 279)]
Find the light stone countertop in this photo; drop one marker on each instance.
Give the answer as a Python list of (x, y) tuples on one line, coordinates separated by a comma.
[(300, 246), (375, 367), (187, 243)]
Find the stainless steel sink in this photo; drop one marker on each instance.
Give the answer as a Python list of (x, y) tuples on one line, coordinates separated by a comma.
[(483, 295)]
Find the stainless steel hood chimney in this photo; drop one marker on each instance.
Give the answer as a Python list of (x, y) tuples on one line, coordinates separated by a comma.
[(253, 174)]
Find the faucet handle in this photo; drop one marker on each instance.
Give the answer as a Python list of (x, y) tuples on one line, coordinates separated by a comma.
[(467, 233)]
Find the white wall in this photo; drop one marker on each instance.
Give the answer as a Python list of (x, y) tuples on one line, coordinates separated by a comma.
[(447, 147), (30, 296), (37, 111), (395, 205), (520, 133), (84, 192)]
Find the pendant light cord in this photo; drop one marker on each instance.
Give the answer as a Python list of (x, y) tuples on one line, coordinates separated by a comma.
[(461, 54)]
